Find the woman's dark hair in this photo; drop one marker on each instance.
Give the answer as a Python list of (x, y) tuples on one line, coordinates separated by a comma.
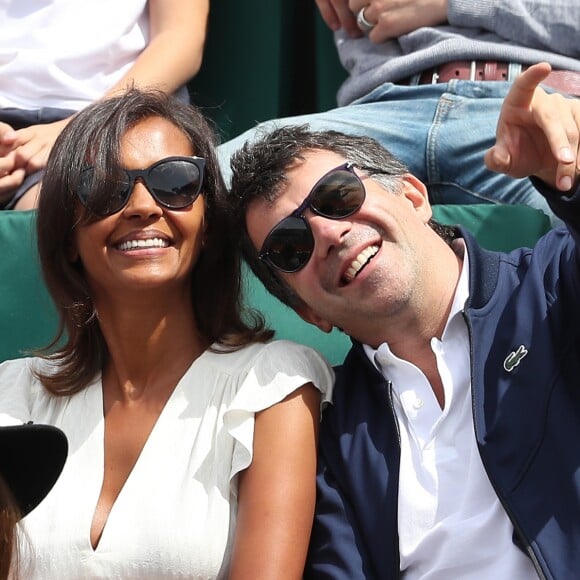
[(9, 517), (94, 135)]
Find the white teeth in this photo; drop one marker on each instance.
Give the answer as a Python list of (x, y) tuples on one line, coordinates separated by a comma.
[(149, 243), (360, 262)]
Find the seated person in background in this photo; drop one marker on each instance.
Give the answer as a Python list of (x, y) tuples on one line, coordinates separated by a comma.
[(57, 57), (441, 130), (31, 459), (194, 436), (450, 448)]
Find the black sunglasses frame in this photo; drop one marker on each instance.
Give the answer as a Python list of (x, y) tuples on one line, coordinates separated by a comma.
[(302, 224), (133, 175)]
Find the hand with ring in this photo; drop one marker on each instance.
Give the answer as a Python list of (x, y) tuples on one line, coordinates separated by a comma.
[(382, 20), (364, 25)]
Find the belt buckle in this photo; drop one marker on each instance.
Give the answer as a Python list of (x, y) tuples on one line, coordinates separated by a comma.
[(514, 69), (472, 70)]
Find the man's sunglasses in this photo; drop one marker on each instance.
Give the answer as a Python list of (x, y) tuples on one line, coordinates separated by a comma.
[(174, 183), (336, 195)]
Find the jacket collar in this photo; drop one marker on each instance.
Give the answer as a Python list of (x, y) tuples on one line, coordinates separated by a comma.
[(483, 273)]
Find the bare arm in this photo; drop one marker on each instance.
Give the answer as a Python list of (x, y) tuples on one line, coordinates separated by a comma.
[(277, 492), (174, 53), (537, 133)]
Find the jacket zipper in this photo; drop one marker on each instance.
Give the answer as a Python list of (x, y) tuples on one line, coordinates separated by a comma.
[(389, 389), (389, 393), (517, 528)]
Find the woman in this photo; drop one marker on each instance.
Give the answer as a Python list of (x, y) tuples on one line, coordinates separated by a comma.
[(192, 438)]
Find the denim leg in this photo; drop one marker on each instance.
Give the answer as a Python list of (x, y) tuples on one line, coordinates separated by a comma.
[(399, 125), (462, 131), (440, 132), (20, 118)]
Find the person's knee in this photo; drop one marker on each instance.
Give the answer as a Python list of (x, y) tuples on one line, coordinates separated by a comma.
[(30, 199)]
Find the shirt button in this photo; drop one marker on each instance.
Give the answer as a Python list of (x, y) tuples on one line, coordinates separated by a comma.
[(418, 403)]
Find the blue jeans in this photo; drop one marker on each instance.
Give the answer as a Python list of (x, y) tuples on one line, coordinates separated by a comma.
[(440, 132)]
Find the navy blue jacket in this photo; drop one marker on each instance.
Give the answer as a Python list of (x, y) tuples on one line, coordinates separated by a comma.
[(526, 416)]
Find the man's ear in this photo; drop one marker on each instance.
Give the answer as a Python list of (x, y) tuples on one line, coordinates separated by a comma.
[(308, 315), (416, 192)]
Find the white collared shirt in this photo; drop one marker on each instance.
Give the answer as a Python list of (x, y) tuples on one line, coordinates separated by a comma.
[(451, 523)]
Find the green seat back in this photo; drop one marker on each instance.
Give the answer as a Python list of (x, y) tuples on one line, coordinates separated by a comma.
[(273, 59), (28, 318), (27, 314)]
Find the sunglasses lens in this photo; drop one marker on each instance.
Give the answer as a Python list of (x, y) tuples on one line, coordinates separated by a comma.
[(98, 201), (175, 183), (289, 245), (338, 195)]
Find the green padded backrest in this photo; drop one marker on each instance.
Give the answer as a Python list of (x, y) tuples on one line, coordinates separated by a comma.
[(275, 60), (28, 319), (27, 314), (496, 227)]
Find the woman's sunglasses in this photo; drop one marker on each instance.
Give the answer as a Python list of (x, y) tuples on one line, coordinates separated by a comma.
[(336, 195), (174, 183)]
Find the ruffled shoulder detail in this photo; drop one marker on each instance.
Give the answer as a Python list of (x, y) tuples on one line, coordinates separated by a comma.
[(19, 389), (275, 371)]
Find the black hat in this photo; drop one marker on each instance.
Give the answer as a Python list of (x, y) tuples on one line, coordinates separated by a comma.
[(31, 459)]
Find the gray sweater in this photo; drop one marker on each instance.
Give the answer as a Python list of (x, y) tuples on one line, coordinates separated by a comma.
[(521, 31)]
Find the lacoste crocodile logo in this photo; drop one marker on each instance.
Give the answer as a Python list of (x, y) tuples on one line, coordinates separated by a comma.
[(514, 358)]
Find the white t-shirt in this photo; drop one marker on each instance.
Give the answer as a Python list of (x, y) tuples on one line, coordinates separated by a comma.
[(67, 53), (175, 515)]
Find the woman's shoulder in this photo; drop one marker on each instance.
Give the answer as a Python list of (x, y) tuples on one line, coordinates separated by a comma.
[(20, 369), (269, 374), (275, 355), (19, 386), (280, 362)]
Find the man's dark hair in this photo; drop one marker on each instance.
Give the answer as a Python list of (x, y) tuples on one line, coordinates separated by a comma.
[(259, 171)]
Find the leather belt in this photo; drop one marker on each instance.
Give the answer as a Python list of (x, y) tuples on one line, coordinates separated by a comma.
[(564, 81)]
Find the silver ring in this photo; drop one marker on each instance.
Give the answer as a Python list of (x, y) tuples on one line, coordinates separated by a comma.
[(362, 22)]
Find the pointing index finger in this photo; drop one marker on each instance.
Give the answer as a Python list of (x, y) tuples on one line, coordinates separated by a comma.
[(522, 91)]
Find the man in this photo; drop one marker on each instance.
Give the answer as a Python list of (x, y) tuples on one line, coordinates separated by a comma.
[(450, 448), (427, 81)]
